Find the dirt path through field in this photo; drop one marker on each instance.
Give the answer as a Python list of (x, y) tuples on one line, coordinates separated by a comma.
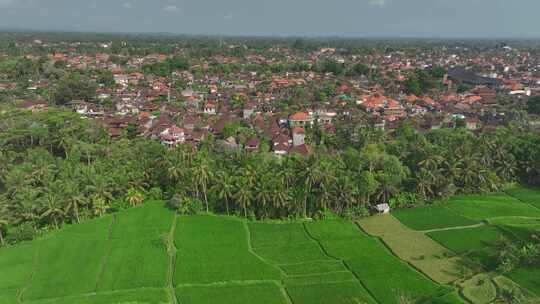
[(454, 228)]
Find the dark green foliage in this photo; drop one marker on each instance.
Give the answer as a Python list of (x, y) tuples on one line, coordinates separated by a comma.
[(462, 88), (166, 67), (73, 87), (20, 70), (528, 277), (105, 78), (358, 70), (330, 66), (80, 172), (420, 82), (185, 205), (533, 105)]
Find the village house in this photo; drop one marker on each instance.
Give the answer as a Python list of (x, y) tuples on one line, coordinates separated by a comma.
[(210, 108), (253, 145), (299, 135), (172, 136), (281, 144), (300, 119)]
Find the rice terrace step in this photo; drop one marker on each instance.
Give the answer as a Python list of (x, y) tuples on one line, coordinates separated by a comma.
[(147, 254)]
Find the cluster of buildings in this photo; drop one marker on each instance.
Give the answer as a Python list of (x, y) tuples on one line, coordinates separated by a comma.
[(281, 108)]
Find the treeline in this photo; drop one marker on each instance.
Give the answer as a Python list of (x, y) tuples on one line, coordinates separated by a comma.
[(56, 168)]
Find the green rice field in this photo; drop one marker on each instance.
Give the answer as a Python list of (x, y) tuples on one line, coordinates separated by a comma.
[(441, 253)]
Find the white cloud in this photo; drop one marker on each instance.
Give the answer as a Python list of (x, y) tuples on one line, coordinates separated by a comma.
[(379, 3), (127, 5), (171, 8)]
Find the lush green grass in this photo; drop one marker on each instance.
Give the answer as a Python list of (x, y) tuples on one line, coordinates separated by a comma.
[(527, 277), (16, 264), (285, 243), (8, 296), (292, 253), (269, 234), (318, 279), (531, 196), (313, 267), (468, 239), (486, 257), (137, 256), (123, 259), (385, 276), (69, 263), (135, 263), (215, 249), (337, 293), (431, 217), (315, 276), (149, 220), (416, 248), (334, 230), (141, 296), (523, 229), (482, 207), (268, 293), (479, 289)]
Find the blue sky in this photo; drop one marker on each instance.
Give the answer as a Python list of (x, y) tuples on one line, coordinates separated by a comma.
[(350, 18)]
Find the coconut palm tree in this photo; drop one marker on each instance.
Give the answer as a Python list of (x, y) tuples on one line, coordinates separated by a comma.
[(203, 174), (99, 205), (53, 209), (134, 197), (243, 194), (223, 187), (3, 227)]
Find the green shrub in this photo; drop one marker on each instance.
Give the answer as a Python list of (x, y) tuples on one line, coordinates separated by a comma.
[(23, 232), (185, 205)]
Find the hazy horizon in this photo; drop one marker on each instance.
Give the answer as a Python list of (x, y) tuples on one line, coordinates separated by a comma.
[(445, 19)]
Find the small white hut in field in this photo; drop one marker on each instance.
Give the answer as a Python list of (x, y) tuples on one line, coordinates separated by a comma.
[(383, 208)]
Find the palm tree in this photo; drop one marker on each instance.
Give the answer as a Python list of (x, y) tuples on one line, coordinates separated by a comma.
[(243, 194), (99, 187), (26, 207), (52, 209), (3, 226), (134, 197), (74, 198), (223, 187), (264, 191), (203, 174), (99, 205)]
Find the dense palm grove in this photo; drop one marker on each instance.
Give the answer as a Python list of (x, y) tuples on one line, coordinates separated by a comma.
[(56, 168)]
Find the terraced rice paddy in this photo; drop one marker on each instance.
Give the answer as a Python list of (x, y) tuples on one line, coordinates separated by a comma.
[(383, 275), (432, 217), (438, 254), (416, 248), (468, 239), (310, 273), (482, 207), (530, 196)]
